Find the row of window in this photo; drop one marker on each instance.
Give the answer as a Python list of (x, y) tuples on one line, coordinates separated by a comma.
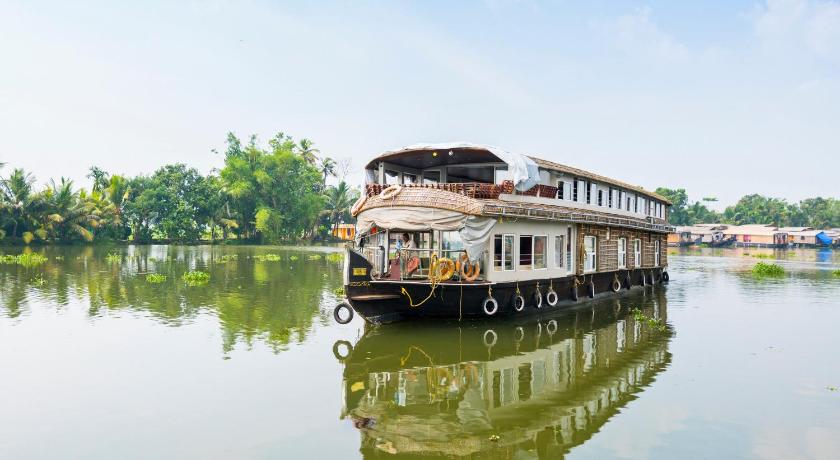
[(590, 253), (584, 191), (532, 251)]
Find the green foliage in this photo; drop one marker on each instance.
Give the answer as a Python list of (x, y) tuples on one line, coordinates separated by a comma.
[(114, 257), (38, 280), (836, 273), (657, 324), (764, 269), (267, 257), (293, 258), (335, 257), (27, 260), (683, 213), (196, 278), (156, 278)]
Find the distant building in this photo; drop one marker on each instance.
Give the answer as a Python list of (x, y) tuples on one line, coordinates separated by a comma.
[(757, 235), (809, 238), (344, 231)]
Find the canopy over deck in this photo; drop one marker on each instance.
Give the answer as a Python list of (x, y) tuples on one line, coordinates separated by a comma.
[(523, 170)]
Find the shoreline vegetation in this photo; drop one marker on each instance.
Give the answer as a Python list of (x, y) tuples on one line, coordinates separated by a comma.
[(272, 194), (275, 194)]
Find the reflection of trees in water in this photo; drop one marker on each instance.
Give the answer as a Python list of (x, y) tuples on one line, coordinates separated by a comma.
[(542, 385), (272, 301)]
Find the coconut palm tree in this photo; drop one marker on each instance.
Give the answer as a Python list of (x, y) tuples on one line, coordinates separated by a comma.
[(327, 169), (67, 212), (339, 199), (18, 198), (306, 150)]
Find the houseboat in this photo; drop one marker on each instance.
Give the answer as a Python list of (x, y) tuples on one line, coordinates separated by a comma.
[(471, 231)]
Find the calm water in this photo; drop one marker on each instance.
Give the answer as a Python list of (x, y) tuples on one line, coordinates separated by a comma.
[(96, 363)]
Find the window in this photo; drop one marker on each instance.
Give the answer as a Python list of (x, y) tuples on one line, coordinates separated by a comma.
[(560, 186), (540, 252), (526, 254), (451, 242), (569, 247), (582, 191), (503, 252), (590, 254), (637, 253), (656, 253), (559, 247), (502, 174), (391, 177), (610, 198), (619, 195), (409, 178), (600, 197), (622, 253), (575, 190), (628, 203), (431, 177), (636, 205)]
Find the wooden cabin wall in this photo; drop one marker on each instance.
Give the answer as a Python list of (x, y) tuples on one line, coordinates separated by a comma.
[(608, 248)]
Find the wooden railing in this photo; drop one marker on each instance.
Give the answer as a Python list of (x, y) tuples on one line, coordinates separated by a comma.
[(474, 189)]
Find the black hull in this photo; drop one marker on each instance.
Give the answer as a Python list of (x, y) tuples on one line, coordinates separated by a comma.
[(380, 302)]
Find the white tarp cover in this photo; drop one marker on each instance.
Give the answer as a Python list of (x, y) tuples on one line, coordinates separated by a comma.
[(523, 170), (474, 230)]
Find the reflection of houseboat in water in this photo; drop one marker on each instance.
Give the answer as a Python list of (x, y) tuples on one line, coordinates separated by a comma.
[(464, 230), (533, 388)]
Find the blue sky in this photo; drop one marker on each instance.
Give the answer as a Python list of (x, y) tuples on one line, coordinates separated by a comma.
[(722, 98)]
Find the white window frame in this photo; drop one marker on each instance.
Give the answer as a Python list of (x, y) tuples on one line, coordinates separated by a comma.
[(559, 250), (622, 252), (504, 253), (534, 253), (656, 249), (593, 255), (637, 253)]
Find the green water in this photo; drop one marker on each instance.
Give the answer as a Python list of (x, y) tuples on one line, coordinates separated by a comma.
[(96, 362)]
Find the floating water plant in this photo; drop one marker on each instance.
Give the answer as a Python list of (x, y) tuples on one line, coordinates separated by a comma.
[(836, 273), (767, 269), (113, 257), (335, 257), (339, 292), (293, 258), (27, 260), (267, 258), (228, 257), (314, 257), (38, 280), (155, 278), (764, 256), (652, 322), (195, 278)]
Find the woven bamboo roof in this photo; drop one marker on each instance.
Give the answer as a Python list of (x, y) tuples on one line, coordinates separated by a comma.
[(442, 199)]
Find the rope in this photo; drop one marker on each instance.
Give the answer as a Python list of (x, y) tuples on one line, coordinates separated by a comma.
[(432, 277)]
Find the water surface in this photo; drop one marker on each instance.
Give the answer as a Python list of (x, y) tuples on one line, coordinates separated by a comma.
[(96, 362)]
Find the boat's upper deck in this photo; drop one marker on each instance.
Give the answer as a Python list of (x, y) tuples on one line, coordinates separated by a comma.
[(482, 180)]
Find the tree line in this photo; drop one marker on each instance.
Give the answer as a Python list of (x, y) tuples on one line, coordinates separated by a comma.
[(274, 193), (819, 213)]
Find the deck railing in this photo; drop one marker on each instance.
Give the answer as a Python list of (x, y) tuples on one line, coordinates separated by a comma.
[(474, 189)]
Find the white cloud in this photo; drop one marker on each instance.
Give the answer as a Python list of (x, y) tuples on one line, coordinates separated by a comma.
[(638, 34), (812, 26)]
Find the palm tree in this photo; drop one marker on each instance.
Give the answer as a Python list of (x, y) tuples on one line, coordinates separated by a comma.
[(18, 197), (327, 169), (100, 178), (67, 212), (339, 199), (307, 151)]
